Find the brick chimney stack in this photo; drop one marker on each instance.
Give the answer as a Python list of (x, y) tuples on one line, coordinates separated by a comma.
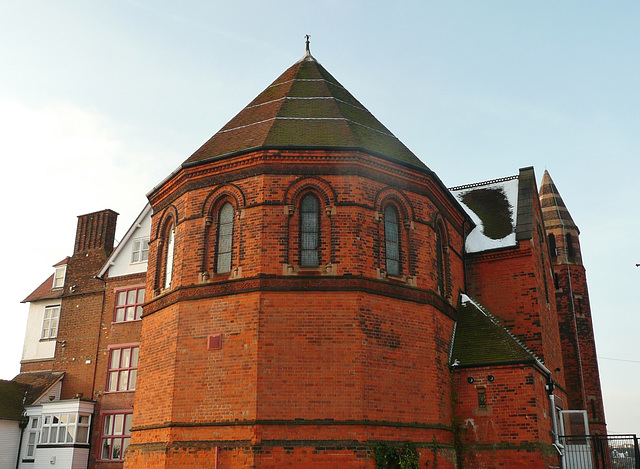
[(96, 231)]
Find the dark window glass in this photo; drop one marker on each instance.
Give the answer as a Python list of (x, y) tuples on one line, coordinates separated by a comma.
[(482, 398), (569, 240), (392, 241), (552, 245), (309, 232), (225, 237)]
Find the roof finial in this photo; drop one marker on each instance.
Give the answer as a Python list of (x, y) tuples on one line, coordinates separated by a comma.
[(307, 52)]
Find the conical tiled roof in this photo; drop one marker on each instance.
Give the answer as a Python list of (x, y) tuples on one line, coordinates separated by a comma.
[(307, 108), (553, 208)]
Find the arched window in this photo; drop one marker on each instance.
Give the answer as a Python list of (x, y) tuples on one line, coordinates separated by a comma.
[(392, 241), (225, 238), (440, 260), (569, 241), (171, 241), (309, 231), (552, 245)]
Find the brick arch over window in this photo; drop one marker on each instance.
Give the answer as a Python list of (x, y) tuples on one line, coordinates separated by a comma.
[(395, 215), (309, 204), (165, 249), (441, 261), (321, 187), (222, 211)]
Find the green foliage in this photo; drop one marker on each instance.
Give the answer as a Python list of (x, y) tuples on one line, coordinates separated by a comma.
[(396, 457)]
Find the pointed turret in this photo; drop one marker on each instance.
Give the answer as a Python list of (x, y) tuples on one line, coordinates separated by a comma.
[(306, 107), (574, 310), (561, 229)]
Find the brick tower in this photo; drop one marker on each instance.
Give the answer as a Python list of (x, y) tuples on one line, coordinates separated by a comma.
[(574, 312), (304, 267)]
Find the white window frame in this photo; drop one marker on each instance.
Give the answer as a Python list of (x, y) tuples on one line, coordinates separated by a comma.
[(140, 250), (74, 427), (31, 441), (50, 322), (171, 239), (58, 277)]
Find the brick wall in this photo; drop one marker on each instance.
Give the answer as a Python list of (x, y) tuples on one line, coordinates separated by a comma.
[(315, 363)]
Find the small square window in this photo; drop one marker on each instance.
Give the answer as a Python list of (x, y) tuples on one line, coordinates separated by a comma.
[(482, 398), (129, 304), (140, 252), (50, 322), (58, 277)]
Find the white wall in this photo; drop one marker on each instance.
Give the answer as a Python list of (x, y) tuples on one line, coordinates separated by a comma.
[(33, 348), (121, 263), (9, 441)]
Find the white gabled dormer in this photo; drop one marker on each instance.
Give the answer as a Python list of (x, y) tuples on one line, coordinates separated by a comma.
[(132, 253)]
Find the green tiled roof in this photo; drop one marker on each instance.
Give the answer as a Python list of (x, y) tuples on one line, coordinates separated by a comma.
[(306, 107), (480, 339)]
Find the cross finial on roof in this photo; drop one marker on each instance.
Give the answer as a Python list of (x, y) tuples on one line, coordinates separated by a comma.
[(307, 36)]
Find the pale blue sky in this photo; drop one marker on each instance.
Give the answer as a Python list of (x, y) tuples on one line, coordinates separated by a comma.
[(99, 101)]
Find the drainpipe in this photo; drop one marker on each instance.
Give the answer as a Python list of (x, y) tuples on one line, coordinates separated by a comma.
[(24, 421), (552, 403)]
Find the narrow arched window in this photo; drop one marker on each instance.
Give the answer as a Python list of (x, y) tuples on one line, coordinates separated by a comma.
[(553, 250), (440, 260), (309, 231), (225, 238), (392, 241), (569, 241), (171, 241)]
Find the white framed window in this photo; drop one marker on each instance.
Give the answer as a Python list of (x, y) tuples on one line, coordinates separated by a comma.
[(123, 369), (65, 428), (58, 276), (140, 252), (50, 322), (33, 429), (129, 304), (116, 435), (171, 239)]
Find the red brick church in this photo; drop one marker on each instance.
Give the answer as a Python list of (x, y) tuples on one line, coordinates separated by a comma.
[(305, 291)]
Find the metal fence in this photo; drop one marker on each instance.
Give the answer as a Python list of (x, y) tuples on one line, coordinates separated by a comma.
[(600, 452)]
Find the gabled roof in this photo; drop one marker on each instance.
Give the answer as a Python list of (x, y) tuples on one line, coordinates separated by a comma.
[(554, 211), (480, 340), (45, 290), (130, 232), (502, 210), (24, 389), (37, 383), (306, 107), (492, 205)]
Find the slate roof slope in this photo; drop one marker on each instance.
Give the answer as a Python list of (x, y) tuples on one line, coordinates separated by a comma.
[(44, 291), (23, 390), (479, 339), (554, 211), (306, 107), (37, 382)]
